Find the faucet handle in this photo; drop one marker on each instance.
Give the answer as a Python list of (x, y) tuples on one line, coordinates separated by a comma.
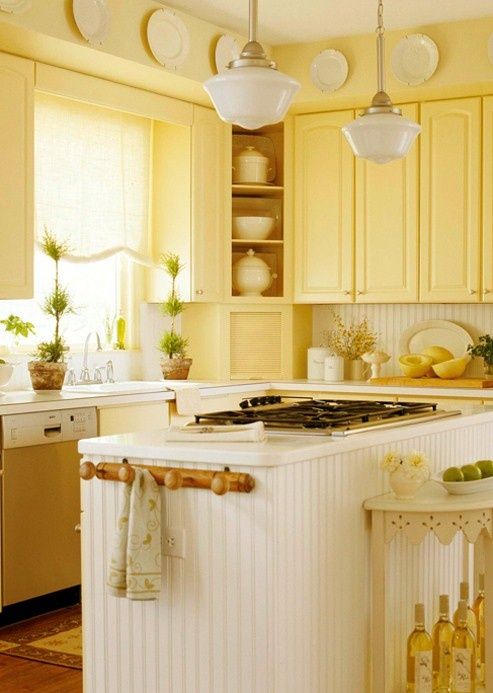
[(110, 373), (98, 374), (70, 377), (85, 376)]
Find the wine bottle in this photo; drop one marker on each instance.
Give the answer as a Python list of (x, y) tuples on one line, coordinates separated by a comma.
[(442, 634), (463, 654), (471, 616), (419, 655), (478, 608)]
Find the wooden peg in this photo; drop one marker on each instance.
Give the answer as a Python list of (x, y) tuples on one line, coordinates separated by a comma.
[(220, 484), (173, 479), (126, 473), (87, 470)]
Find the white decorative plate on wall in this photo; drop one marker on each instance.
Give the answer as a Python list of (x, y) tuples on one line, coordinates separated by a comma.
[(15, 6), (414, 59), (93, 19), (168, 38), (435, 333), (227, 49), (329, 70)]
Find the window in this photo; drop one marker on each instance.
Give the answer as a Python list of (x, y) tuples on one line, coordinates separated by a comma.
[(92, 171)]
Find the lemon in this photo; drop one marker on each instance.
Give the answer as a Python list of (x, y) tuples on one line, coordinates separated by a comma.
[(471, 472), (486, 467), (453, 474), (451, 369), (414, 365)]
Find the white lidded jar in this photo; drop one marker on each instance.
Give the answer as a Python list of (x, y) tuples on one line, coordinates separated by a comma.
[(251, 275), (250, 166)]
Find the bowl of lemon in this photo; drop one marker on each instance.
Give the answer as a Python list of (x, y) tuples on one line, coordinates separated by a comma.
[(474, 477)]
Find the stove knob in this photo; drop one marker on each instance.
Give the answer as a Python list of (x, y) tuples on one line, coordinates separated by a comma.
[(244, 404), (255, 401)]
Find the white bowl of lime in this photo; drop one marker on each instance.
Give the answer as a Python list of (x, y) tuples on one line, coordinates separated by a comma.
[(470, 478)]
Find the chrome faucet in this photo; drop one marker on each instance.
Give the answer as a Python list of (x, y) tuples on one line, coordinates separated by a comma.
[(84, 374)]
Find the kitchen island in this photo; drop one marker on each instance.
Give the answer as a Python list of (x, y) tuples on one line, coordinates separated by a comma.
[(269, 592)]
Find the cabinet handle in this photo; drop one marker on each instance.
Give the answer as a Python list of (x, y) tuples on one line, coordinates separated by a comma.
[(199, 292), (77, 529), (486, 291), (360, 293), (472, 291), (347, 293)]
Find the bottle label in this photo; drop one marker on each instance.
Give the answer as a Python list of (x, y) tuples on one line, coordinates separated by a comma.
[(444, 660), (462, 670), (423, 672)]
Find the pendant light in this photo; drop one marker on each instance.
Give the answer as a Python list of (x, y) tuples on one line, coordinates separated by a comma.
[(381, 133), (251, 92)]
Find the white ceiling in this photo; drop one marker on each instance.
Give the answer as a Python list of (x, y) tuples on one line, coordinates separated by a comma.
[(301, 21)]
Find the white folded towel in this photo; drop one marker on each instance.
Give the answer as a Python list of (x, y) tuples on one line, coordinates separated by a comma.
[(187, 400), (135, 564), (200, 433)]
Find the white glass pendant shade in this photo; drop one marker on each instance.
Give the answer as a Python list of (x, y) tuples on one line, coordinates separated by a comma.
[(251, 96), (381, 137)]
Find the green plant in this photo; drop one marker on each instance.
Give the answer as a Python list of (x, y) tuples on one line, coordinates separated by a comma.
[(484, 348), (17, 327), (172, 344), (57, 303)]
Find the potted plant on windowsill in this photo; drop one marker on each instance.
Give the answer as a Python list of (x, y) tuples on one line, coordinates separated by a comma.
[(48, 369), (174, 363)]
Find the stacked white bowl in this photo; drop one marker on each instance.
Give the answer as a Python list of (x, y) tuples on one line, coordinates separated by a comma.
[(252, 228)]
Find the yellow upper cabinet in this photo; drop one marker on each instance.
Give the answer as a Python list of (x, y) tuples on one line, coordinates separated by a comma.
[(450, 184), (324, 189), (487, 249), (386, 227), (16, 176)]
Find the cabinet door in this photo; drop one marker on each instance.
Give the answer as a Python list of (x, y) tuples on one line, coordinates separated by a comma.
[(211, 207), (487, 253), (450, 201), (386, 228), (323, 209), (16, 177)]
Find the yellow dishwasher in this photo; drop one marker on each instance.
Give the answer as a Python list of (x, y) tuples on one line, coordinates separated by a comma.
[(40, 551)]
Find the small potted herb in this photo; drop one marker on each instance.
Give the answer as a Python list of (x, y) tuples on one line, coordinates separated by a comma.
[(48, 370), (483, 348), (174, 363)]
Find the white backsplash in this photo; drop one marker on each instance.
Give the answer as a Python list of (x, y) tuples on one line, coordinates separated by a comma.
[(390, 321)]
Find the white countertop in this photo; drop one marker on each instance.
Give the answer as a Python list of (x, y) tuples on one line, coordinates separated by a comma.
[(277, 450)]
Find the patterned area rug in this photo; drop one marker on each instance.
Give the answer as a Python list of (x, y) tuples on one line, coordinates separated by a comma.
[(54, 638)]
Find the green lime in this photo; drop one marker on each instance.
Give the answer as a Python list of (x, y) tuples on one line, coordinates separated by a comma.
[(486, 467), (2, 362), (453, 474), (471, 472)]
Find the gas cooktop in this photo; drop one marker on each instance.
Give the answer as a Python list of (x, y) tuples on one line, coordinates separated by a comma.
[(324, 416)]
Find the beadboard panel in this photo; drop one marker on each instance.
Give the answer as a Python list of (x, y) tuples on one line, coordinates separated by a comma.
[(390, 321), (274, 593)]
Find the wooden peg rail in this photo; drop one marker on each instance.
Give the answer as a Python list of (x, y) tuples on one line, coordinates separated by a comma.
[(218, 482)]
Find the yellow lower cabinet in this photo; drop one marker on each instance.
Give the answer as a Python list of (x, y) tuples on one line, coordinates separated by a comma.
[(131, 418)]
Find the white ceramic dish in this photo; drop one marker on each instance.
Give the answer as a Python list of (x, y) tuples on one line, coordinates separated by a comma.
[(6, 370), (462, 488), (414, 59), (93, 19), (252, 228), (262, 144), (15, 6), (227, 49), (435, 333), (168, 38), (329, 70)]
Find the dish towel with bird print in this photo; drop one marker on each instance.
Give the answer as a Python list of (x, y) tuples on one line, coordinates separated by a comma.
[(135, 562)]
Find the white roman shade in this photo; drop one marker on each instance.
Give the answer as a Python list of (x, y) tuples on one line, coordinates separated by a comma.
[(92, 178)]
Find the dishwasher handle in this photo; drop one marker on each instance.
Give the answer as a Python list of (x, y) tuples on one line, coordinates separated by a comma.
[(52, 431)]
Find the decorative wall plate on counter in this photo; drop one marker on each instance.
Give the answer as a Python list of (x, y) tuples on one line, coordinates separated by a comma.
[(414, 59), (329, 70), (15, 6), (168, 38), (227, 49), (93, 19)]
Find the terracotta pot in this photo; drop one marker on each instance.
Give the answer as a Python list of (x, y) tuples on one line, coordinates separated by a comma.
[(176, 368), (46, 375)]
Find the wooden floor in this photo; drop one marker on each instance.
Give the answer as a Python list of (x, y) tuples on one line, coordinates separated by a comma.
[(23, 675)]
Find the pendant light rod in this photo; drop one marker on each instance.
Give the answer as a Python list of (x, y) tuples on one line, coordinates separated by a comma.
[(380, 48), (252, 21)]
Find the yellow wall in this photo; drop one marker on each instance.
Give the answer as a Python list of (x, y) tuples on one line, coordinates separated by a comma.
[(463, 66)]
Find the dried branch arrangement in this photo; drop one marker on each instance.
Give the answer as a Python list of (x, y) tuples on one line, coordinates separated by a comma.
[(351, 341)]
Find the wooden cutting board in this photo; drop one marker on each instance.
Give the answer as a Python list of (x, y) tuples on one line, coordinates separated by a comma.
[(403, 381)]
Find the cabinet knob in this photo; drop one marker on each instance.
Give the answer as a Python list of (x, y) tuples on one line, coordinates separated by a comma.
[(77, 529), (347, 293), (486, 291), (199, 292), (472, 291), (360, 293)]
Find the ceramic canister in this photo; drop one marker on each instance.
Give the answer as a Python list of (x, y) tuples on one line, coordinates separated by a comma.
[(333, 369), (316, 358)]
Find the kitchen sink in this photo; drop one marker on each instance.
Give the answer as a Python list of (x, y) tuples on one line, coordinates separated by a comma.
[(123, 387)]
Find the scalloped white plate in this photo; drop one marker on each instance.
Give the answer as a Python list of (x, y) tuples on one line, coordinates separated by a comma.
[(443, 333), (227, 49), (463, 488), (168, 38), (15, 6), (93, 19), (414, 59), (329, 70)]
